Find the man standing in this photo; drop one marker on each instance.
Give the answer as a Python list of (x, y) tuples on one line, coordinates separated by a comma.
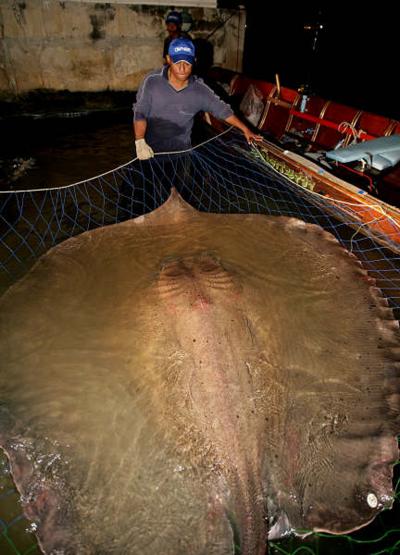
[(167, 101), (173, 22)]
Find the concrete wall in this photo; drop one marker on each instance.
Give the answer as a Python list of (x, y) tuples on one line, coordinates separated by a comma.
[(86, 46)]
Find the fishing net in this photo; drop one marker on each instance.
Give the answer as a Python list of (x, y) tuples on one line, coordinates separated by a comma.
[(225, 175)]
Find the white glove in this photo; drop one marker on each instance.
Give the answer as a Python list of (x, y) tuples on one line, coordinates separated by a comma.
[(143, 150)]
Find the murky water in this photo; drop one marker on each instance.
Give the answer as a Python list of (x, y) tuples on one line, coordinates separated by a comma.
[(56, 151)]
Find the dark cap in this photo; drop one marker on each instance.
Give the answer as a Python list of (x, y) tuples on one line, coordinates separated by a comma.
[(174, 17)]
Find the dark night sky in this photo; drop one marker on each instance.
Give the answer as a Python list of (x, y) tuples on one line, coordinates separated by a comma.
[(357, 56)]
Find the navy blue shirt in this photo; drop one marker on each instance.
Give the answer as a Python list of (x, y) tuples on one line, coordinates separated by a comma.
[(169, 113)]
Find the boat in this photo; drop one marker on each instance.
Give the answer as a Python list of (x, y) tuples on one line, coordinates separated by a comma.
[(351, 156)]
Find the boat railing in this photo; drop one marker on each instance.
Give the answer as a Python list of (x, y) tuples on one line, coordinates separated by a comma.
[(318, 125)]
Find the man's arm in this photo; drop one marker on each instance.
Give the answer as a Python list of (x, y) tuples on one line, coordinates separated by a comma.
[(142, 107), (139, 128), (140, 112), (221, 110), (250, 136)]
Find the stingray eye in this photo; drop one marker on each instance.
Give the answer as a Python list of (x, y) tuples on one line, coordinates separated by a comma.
[(209, 265), (174, 269), (208, 268)]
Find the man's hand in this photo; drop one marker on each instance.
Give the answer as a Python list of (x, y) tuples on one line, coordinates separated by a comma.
[(250, 136), (143, 150)]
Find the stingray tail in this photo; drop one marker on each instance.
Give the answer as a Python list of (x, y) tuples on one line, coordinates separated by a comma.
[(249, 521)]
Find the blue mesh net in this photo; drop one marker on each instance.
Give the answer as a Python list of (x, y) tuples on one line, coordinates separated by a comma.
[(222, 175)]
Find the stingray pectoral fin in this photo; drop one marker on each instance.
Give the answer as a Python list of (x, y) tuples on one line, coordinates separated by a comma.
[(113, 479), (332, 383), (337, 484), (332, 456), (43, 503)]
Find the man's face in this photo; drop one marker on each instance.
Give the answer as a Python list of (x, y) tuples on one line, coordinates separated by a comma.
[(181, 70), (172, 29)]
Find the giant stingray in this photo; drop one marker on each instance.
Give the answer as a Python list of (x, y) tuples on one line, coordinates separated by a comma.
[(196, 383)]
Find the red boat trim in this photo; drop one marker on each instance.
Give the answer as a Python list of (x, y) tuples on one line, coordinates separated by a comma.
[(327, 123)]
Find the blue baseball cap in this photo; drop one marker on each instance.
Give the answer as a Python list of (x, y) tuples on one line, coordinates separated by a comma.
[(174, 17), (182, 50)]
